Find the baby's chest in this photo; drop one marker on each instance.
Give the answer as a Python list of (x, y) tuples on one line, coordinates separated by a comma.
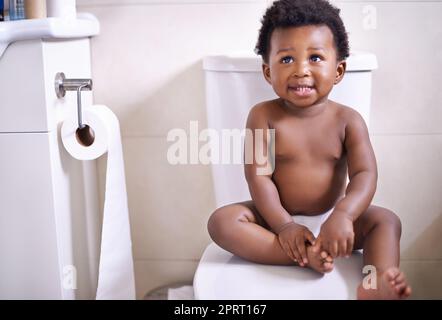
[(308, 144)]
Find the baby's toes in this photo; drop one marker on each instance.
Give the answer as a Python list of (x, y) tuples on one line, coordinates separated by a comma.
[(326, 257), (406, 293), (327, 266), (400, 278), (403, 290), (391, 275), (401, 286)]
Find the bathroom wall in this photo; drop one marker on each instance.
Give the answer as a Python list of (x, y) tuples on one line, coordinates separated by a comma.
[(147, 67)]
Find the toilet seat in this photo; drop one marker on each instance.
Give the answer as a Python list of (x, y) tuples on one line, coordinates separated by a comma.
[(223, 276)]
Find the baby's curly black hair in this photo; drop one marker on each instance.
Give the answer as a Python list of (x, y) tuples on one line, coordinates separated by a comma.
[(297, 13)]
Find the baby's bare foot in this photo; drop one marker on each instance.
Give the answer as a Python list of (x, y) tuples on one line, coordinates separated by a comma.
[(391, 285), (319, 261)]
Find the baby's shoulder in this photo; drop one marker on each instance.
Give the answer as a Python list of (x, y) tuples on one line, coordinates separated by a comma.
[(264, 106), (262, 114), (263, 109), (347, 114)]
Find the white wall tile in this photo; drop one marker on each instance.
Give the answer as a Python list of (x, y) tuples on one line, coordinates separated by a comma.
[(425, 278), (169, 204), (147, 60), (407, 92), (409, 184), (153, 274)]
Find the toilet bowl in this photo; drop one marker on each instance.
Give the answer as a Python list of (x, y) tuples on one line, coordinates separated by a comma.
[(234, 84), (223, 276)]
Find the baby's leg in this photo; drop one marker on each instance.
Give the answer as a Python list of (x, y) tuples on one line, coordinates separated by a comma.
[(239, 229), (378, 232)]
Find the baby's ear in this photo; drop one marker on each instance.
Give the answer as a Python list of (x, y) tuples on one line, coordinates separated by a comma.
[(340, 71), (266, 72)]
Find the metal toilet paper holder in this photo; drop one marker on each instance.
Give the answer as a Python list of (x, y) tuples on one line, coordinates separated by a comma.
[(85, 134), (62, 85)]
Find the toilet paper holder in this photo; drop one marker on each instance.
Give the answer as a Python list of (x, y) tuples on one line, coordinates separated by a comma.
[(85, 134), (62, 85)]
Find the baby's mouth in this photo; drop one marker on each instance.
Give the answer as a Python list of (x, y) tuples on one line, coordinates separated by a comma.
[(302, 90)]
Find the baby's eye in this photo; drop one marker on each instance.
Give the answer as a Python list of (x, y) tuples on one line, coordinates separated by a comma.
[(315, 58), (287, 59)]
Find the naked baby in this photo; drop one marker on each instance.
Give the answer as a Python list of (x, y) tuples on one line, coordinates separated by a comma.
[(317, 142)]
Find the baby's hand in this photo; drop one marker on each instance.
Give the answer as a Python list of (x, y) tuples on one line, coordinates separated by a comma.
[(336, 235), (292, 238)]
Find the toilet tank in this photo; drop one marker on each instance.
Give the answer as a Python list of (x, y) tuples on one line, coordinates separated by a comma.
[(234, 84)]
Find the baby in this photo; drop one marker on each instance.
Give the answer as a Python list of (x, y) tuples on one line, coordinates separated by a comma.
[(304, 45)]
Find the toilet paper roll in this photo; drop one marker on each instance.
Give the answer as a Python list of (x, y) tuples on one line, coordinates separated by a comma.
[(116, 272)]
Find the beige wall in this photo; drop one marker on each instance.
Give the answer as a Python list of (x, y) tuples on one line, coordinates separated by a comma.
[(147, 68)]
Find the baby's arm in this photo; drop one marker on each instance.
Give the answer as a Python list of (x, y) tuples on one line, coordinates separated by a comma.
[(337, 231), (362, 169), (262, 189), (265, 195)]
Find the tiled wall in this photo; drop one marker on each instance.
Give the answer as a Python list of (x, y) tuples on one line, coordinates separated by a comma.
[(147, 68)]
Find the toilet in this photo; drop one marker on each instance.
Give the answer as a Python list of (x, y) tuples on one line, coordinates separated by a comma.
[(234, 84)]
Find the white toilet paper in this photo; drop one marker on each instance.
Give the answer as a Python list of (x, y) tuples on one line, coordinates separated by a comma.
[(116, 273)]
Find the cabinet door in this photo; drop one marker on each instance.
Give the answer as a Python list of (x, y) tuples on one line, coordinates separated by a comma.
[(28, 243)]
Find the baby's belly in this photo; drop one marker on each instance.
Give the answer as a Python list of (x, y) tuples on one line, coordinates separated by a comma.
[(309, 189)]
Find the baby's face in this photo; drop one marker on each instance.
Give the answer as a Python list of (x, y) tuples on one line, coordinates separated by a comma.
[(302, 66)]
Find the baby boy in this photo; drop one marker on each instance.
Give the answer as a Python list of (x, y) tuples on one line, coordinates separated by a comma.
[(304, 45)]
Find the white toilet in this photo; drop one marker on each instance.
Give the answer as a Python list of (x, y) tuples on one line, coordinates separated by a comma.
[(234, 84)]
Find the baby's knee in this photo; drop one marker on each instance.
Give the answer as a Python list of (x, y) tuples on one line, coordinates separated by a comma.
[(388, 217), (395, 221), (218, 224), (223, 222)]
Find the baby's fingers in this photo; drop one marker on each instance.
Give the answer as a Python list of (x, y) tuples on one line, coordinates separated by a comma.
[(300, 244), (350, 243), (296, 254), (310, 237), (318, 244), (333, 248), (342, 248), (285, 246)]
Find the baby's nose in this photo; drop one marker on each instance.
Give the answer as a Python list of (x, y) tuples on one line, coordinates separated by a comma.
[(300, 70)]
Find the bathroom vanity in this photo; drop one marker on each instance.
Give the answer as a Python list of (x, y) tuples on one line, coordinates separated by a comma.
[(49, 212)]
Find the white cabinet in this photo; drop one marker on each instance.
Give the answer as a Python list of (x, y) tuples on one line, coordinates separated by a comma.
[(49, 212)]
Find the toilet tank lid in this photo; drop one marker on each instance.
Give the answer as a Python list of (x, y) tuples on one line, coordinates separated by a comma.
[(240, 62)]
